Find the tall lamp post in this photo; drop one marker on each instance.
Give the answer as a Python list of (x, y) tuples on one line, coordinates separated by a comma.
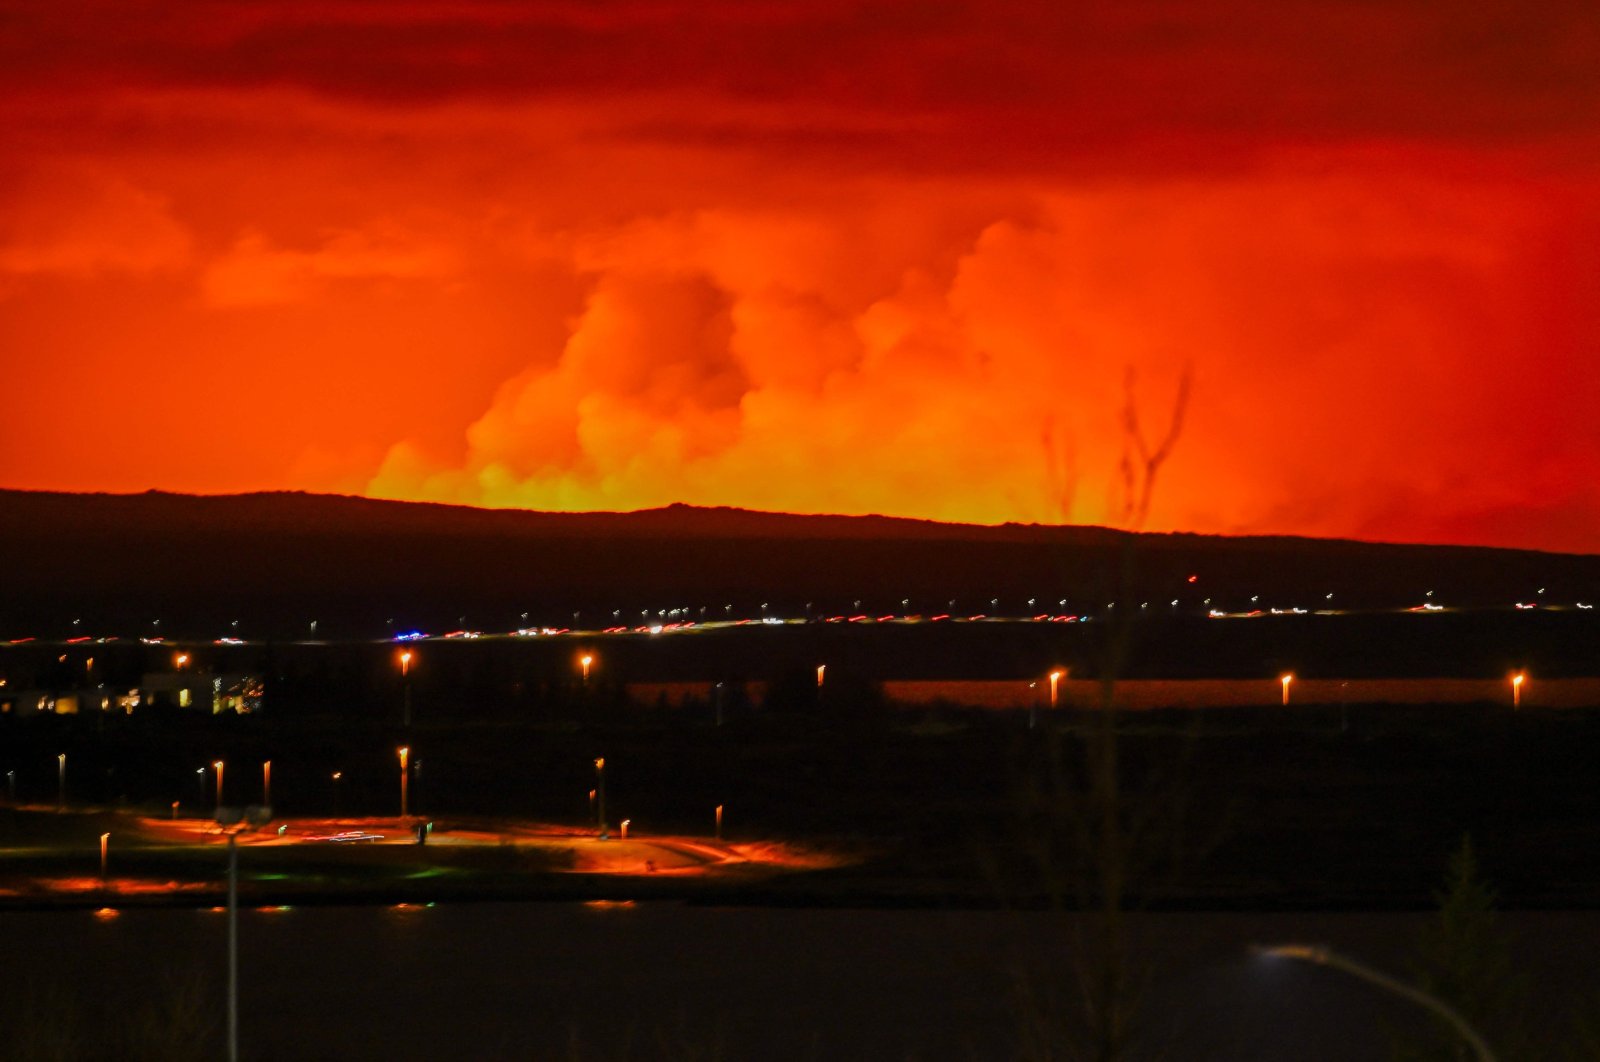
[(233, 823), (1286, 679), (405, 693), (61, 781), (266, 783), (1516, 689), (217, 766), (585, 662), (600, 794), (1321, 956), (233, 946), (405, 781)]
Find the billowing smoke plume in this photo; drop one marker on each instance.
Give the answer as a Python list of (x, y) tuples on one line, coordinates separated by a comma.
[(1342, 341)]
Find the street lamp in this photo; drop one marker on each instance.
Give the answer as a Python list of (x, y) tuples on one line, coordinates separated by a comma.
[(266, 783), (600, 794), (180, 661), (719, 822), (1286, 679), (336, 776), (61, 781), (1055, 683), (217, 766), (405, 781), (584, 662), (822, 669), (1321, 956), (105, 839), (405, 682), (1516, 689)]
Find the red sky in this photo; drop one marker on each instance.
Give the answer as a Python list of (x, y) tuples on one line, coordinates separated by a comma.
[(814, 256)]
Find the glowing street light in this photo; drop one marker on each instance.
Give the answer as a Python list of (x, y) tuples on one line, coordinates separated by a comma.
[(625, 823), (266, 783), (405, 781), (61, 781), (600, 794), (1516, 689), (719, 822), (585, 662), (1055, 685), (105, 840), (180, 661), (822, 670), (405, 682), (336, 776), (217, 766), (1321, 956), (1286, 679)]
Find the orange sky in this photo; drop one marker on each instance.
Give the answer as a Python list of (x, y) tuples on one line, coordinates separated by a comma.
[(814, 256)]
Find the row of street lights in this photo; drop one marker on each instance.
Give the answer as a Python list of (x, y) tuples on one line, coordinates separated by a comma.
[(596, 795), (1517, 679), (587, 660)]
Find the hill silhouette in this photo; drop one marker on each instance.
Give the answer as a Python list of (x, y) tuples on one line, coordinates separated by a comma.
[(274, 561)]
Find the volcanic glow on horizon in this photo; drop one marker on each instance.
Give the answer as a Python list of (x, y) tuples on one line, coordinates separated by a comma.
[(814, 256)]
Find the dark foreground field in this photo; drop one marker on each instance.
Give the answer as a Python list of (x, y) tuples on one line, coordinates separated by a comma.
[(1314, 807)]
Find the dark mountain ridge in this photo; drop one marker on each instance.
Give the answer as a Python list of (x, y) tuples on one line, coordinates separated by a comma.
[(274, 560)]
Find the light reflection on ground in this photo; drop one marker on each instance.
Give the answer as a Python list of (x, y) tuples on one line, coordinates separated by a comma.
[(184, 856)]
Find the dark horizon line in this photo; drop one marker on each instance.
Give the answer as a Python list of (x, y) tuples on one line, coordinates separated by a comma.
[(1033, 529)]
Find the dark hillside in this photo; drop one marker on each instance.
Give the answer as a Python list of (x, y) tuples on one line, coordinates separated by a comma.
[(276, 561)]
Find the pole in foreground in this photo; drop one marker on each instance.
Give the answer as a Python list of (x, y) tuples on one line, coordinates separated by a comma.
[(405, 754), (405, 694), (233, 946)]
